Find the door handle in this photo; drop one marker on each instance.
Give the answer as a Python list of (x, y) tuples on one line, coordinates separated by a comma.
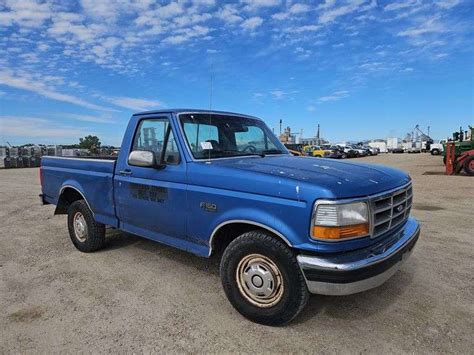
[(126, 172)]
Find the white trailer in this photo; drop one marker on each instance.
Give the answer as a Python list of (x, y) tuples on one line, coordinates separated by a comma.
[(393, 143), (381, 146)]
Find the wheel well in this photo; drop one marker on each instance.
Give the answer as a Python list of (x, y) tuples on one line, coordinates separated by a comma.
[(68, 196), (227, 233)]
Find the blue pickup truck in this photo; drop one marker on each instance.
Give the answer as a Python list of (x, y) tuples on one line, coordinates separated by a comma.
[(220, 183)]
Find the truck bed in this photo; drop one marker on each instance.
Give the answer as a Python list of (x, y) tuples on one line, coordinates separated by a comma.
[(89, 176)]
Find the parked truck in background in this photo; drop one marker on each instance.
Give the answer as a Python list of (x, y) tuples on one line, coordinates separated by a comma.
[(221, 183), (437, 148)]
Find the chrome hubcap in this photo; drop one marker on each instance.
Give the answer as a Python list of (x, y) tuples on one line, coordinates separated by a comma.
[(80, 227), (259, 280)]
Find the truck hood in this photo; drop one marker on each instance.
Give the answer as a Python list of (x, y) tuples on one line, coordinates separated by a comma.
[(279, 175)]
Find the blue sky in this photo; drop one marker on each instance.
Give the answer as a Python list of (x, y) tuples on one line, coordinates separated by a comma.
[(363, 69)]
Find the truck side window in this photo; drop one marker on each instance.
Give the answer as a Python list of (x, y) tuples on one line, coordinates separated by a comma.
[(151, 134)]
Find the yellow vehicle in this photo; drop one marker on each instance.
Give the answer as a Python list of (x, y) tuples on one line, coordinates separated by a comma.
[(315, 151), (295, 149)]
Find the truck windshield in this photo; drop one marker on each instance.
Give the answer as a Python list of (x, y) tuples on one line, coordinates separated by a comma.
[(222, 136)]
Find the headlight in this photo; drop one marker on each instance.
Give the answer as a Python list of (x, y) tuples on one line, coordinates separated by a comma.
[(340, 221)]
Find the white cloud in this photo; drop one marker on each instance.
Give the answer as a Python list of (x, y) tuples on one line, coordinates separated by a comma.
[(373, 66), (447, 4), (204, 2), (230, 14), (301, 29), (326, 4), (279, 16), (329, 13), (280, 94), (251, 23), (431, 25), (187, 20), (26, 13), (401, 4), (133, 103), (29, 83), (299, 8), (186, 34), (33, 127), (338, 95), (253, 5), (293, 10), (87, 118), (441, 55), (302, 53), (42, 47)]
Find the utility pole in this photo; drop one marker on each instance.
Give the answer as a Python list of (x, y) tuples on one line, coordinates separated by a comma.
[(318, 141), (280, 124)]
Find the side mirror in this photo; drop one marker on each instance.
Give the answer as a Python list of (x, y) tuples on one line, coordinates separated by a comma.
[(144, 158)]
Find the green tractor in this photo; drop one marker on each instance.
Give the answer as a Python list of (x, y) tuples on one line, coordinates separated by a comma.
[(463, 140), (459, 153)]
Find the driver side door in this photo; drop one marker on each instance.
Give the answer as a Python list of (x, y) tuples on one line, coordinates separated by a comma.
[(151, 200)]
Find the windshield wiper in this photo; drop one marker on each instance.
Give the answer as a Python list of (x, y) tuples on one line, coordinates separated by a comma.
[(242, 154), (272, 151)]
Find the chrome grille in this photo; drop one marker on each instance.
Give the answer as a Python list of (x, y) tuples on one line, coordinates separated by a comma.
[(390, 210)]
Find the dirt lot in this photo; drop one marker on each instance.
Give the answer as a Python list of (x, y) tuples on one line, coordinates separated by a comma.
[(137, 295)]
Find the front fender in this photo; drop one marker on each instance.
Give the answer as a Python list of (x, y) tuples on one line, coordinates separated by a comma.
[(253, 216)]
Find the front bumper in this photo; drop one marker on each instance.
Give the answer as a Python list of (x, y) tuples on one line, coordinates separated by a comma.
[(359, 270)]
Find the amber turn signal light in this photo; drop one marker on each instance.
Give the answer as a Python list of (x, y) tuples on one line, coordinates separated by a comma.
[(342, 232)]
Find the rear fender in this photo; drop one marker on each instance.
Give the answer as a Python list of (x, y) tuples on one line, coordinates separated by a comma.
[(69, 187)]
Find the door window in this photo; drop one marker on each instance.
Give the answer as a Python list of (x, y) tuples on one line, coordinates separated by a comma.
[(151, 135)]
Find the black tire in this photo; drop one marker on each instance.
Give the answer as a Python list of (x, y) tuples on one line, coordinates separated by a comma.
[(467, 165), (93, 233), (292, 294), (344, 156), (435, 152)]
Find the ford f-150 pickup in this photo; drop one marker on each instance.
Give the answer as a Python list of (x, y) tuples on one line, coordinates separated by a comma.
[(221, 183)]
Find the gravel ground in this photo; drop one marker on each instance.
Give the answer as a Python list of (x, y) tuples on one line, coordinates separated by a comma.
[(137, 295)]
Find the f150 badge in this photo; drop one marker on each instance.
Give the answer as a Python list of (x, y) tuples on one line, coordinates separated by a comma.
[(208, 206)]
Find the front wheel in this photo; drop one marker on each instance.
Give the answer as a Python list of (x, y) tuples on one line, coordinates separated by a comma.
[(435, 152), (262, 279)]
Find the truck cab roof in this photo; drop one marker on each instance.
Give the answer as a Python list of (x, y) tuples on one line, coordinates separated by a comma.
[(178, 111)]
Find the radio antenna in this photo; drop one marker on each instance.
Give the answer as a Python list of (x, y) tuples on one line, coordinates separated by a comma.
[(210, 111)]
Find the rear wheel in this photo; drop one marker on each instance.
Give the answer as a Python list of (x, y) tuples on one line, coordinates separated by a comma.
[(262, 279), (86, 234), (468, 165)]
